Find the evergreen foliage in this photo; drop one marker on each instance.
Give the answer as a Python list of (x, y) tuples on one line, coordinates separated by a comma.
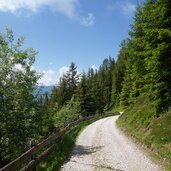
[(149, 63), (118, 73), (141, 71), (85, 99), (71, 79)]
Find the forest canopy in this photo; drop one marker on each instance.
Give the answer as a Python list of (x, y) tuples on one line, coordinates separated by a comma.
[(142, 69)]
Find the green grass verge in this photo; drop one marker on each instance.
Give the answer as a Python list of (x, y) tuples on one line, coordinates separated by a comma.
[(140, 121), (62, 152), (116, 109)]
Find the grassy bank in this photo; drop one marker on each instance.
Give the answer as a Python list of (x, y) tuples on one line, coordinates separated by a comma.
[(140, 121), (62, 152)]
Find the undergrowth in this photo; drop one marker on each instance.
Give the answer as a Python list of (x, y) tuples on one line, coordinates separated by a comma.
[(140, 121), (63, 150)]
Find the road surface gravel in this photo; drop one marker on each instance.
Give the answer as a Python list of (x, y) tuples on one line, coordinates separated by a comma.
[(103, 147)]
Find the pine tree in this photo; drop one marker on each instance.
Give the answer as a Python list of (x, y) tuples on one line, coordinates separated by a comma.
[(71, 79), (105, 80), (149, 65), (118, 73), (86, 101), (157, 45)]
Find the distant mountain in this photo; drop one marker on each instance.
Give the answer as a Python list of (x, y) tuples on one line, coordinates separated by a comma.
[(45, 89), (42, 90)]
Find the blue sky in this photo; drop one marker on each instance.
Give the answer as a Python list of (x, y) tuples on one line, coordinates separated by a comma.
[(82, 31)]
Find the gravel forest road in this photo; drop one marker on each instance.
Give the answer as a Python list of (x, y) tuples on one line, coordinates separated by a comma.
[(103, 147)]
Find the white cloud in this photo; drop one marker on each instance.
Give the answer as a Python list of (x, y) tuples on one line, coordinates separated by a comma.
[(25, 8), (89, 20), (18, 67), (51, 77), (66, 7), (126, 7), (32, 68), (63, 70), (94, 67)]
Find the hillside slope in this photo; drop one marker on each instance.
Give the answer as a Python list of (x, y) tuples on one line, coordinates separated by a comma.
[(140, 121)]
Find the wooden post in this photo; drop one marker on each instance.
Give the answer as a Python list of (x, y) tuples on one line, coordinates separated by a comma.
[(32, 144)]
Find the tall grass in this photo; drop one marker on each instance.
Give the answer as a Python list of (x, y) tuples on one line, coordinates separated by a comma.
[(140, 121)]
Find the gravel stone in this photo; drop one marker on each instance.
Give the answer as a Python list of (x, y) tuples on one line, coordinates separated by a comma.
[(103, 147)]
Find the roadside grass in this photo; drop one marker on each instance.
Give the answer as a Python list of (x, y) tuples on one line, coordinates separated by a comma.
[(140, 121), (62, 152), (115, 110)]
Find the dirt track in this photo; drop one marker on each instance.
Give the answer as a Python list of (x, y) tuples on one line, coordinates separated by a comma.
[(103, 147)]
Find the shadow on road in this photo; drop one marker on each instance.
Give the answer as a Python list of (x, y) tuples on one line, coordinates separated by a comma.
[(85, 150)]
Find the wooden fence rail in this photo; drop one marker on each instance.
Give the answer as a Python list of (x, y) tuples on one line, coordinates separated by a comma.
[(37, 148)]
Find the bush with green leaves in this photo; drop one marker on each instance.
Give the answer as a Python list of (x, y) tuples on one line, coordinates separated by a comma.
[(20, 112), (67, 114)]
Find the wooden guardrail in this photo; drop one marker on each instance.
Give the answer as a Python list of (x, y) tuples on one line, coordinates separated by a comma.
[(33, 161), (28, 155)]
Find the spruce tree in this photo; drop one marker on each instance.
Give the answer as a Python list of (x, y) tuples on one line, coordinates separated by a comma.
[(149, 65), (85, 99), (71, 79), (118, 73)]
